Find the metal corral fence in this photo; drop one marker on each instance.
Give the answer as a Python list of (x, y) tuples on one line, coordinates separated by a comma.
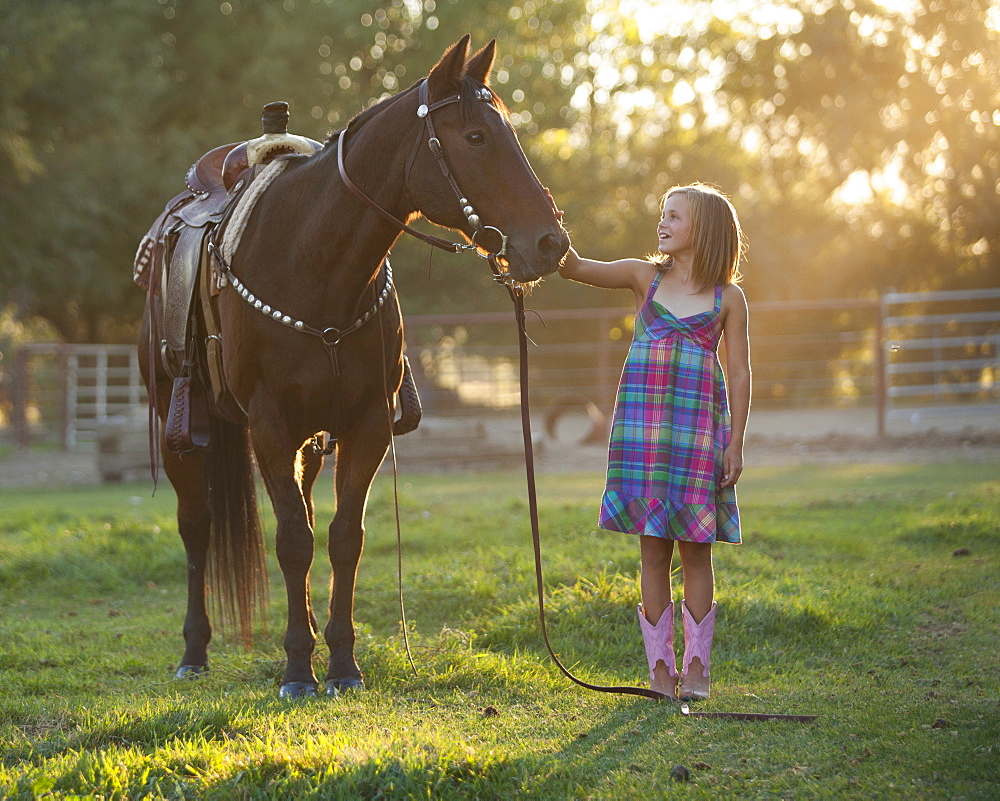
[(60, 394), (905, 354), (941, 352), (805, 354)]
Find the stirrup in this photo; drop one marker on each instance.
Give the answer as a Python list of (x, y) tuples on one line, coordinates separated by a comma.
[(323, 444)]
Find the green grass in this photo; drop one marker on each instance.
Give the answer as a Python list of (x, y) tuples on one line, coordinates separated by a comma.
[(846, 601)]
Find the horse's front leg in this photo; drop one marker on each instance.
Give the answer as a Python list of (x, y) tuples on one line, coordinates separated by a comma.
[(277, 456), (358, 458)]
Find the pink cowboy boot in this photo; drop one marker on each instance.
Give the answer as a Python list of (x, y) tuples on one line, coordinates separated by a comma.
[(697, 644), (659, 642)]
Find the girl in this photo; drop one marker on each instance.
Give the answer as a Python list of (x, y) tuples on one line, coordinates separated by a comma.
[(676, 448)]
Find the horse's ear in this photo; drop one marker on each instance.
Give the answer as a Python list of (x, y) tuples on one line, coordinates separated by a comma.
[(481, 64), (445, 77)]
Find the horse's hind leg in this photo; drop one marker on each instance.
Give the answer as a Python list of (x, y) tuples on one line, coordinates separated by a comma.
[(187, 476), (358, 458)]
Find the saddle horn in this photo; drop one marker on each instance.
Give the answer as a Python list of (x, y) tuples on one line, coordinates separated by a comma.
[(274, 118), (275, 141)]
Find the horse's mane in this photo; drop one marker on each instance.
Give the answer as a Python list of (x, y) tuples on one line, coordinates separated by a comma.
[(468, 105)]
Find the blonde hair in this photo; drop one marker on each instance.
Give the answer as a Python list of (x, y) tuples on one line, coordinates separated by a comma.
[(718, 239)]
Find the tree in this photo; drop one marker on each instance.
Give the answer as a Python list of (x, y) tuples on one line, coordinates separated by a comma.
[(905, 104), (861, 144), (71, 105)]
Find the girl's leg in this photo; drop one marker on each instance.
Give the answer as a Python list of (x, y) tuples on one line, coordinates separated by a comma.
[(699, 577), (656, 555), (699, 597)]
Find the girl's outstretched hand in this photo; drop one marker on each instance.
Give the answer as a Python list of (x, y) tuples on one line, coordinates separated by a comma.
[(558, 212), (569, 263), (732, 465)]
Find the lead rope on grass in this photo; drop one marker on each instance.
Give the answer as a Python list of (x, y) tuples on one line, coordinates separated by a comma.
[(516, 292)]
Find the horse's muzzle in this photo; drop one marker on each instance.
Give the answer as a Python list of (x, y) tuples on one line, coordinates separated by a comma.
[(544, 259)]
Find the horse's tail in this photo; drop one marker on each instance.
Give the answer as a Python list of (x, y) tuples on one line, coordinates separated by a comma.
[(236, 564)]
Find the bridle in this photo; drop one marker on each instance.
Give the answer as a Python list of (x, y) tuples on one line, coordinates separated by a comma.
[(428, 135), (331, 336)]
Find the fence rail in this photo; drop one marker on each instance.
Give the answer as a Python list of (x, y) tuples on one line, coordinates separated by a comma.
[(942, 352), (906, 354), (62, 393)]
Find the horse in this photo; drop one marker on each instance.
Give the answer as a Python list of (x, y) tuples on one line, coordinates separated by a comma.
[(311, 338)]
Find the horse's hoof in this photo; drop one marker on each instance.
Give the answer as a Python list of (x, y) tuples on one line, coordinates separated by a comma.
[(298, 689), (335, 687), (191, 671)]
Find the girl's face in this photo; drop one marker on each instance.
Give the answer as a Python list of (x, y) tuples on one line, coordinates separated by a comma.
[(674, 229)]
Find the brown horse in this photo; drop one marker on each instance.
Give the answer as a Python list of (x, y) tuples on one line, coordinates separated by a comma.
[(330, 359)]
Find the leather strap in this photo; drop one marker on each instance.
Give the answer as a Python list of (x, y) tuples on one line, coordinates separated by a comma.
[(161, 253), (395, 495), (517, 295), (430, 239), (425, 111), (152, 361), (433, 143), (212, 333), (686, 712)]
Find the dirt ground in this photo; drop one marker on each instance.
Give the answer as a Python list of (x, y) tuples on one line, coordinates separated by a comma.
[(775, 438)]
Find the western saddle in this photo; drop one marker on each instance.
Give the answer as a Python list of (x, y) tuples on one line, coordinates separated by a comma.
[(173, 264)]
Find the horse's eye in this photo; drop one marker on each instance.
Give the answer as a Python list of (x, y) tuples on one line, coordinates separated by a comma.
[(475, 138)]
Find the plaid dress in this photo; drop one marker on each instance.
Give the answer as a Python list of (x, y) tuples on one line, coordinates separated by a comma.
[(671, 426)]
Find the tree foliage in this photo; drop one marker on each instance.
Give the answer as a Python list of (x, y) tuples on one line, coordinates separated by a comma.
[(861, 143)]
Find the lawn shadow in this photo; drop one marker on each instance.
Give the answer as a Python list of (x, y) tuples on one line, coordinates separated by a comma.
[(401, 769), (135, 729)]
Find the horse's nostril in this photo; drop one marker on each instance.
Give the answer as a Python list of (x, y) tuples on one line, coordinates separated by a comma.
[(552, 247)]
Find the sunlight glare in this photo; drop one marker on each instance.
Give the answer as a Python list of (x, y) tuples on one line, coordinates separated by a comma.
[(683, 93), (680, 17), (863, 187)]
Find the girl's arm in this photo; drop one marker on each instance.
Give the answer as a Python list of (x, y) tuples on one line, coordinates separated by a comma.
[(736, 332), (633, 274)]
